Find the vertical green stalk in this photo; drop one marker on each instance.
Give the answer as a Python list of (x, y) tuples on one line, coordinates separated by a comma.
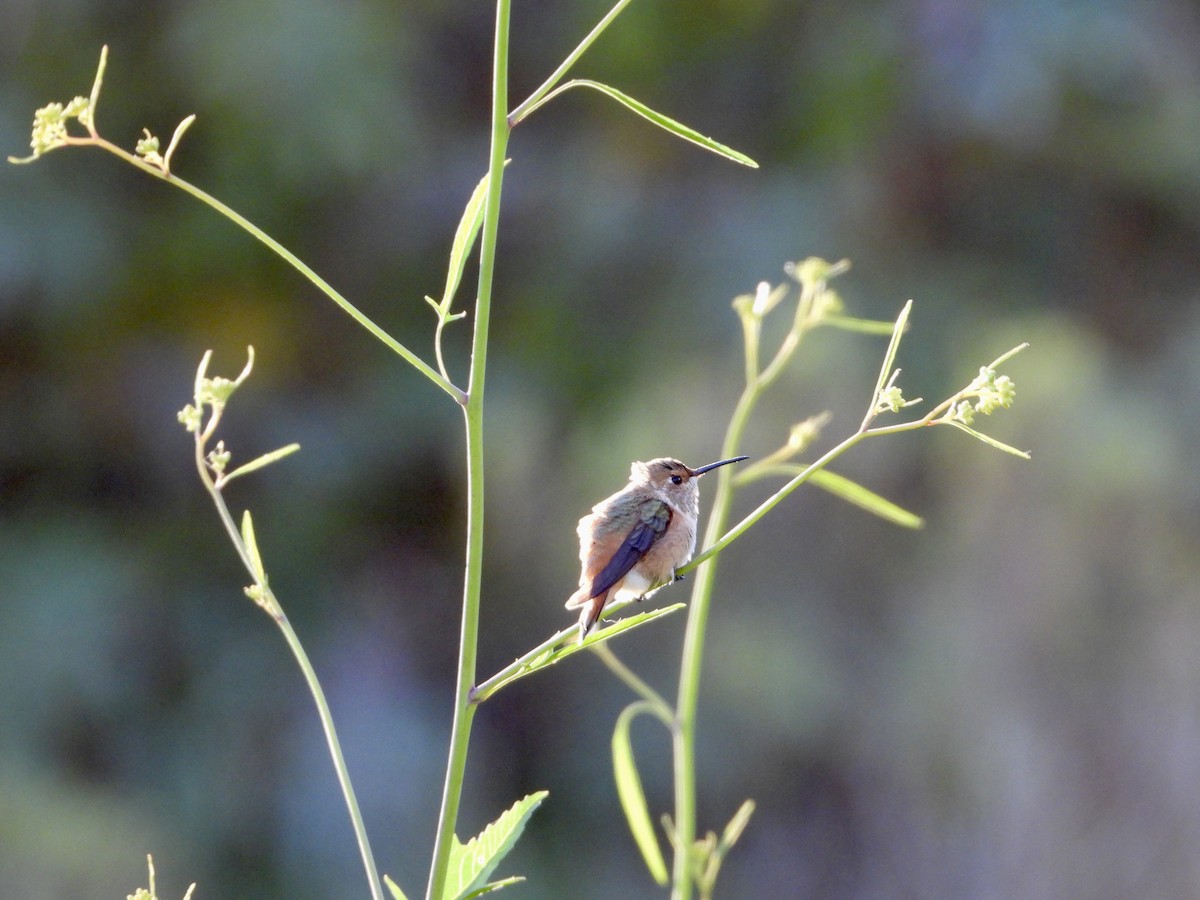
[(684, 735), (464, 709)]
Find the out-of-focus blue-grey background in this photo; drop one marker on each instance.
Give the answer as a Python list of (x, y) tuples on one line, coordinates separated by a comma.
[(1005, 704)]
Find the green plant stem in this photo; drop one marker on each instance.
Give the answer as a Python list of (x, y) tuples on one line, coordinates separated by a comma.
[(684, 734), (335, 751), (290, 258), (275, 610), (691, 665), (464, 709)]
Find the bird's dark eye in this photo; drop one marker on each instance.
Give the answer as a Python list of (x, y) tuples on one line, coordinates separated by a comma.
[(676, 479)]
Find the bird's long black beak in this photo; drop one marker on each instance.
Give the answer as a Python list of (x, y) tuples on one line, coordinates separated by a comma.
[(724, 462)]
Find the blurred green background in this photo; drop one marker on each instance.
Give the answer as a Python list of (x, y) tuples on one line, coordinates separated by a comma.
[(1006, 704)]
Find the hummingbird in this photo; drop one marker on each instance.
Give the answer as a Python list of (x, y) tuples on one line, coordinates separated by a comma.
[(639, 536)]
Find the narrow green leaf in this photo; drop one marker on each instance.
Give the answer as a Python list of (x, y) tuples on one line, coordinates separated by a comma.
[(486, 689), (201, 373), (265, 460), (859, 326), (1005, 357), (397, 894), (633, 798), (889, 357), (736, 826), (252, 547), (471, 863), (850, 491), (460, 250), (464, 239), (990, 441), (676, 128), (175, 139), (853, 492), (94, 99), (492, 886), (609, 628)]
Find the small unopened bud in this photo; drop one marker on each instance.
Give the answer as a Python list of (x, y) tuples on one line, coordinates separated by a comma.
[(762, 297)]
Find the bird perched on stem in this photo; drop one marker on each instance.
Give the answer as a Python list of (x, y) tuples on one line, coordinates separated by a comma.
[(639, 536)]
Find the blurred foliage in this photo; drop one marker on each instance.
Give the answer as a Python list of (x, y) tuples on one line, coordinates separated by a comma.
[(1002, 705)]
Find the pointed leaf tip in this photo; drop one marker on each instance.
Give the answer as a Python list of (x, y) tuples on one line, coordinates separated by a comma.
[(665, 122), (471, 863), (252, 546), (631, 795)]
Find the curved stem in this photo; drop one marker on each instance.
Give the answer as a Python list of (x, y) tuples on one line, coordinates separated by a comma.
[(652, 698), (290, 258), (437, 349)]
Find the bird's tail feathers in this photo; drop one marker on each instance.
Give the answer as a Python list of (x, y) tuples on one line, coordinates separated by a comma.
[(591, 607)]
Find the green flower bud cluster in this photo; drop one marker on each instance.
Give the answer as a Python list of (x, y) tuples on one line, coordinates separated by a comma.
[(990, 392)]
